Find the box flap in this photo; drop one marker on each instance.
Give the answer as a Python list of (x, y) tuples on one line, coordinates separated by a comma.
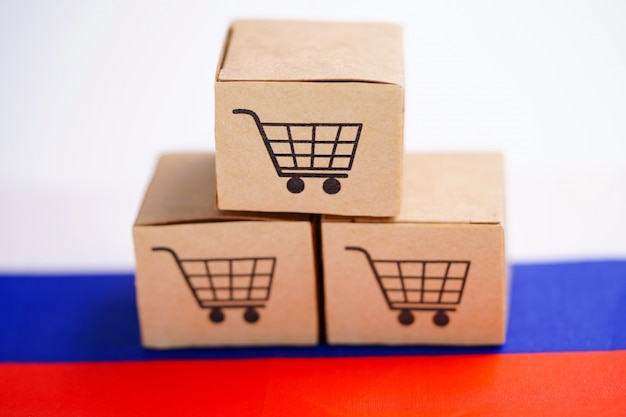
[(449, 188), (312, 51), (183, 191)]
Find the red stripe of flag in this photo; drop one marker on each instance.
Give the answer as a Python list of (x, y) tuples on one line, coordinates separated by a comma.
[(540, 384)]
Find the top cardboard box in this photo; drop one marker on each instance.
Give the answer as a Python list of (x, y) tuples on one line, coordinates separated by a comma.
[(309, 118)]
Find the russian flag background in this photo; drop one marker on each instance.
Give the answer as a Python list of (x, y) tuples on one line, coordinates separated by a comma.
[(90, 94), (70, 345)]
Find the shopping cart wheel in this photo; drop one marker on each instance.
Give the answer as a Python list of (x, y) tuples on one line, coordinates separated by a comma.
[(406, 317), (441, 318), (332, 186), (295, 185), (216, 315), (251, 315)]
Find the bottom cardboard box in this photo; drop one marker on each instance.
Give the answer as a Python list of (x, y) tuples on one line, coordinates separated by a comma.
[(434, 274), (206, 277)]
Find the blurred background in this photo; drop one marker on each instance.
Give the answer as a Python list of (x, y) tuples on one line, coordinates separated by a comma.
[(91, 92)]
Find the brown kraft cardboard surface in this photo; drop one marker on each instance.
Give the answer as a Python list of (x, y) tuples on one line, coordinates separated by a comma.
[(434, 274), (205, 277), (309, 118)]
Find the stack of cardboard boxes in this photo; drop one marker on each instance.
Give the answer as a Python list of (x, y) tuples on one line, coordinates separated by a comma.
[(309, 221)]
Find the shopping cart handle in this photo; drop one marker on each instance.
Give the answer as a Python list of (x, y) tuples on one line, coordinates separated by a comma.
[(360, 250), (161, 248), (249, 113)]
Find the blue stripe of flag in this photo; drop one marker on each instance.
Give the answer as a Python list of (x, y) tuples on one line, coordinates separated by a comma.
[(577, 306)]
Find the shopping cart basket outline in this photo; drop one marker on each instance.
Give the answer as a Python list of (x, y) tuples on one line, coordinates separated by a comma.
[(228, 294), (418, 290), (329, 157)]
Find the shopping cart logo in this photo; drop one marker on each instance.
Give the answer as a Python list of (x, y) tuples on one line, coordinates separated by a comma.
[(309, 150), (220, 283), (415, 285)]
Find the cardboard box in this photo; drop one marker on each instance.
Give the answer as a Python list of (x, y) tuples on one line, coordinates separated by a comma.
[(210, 278), (309, 118), (435, 274)]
